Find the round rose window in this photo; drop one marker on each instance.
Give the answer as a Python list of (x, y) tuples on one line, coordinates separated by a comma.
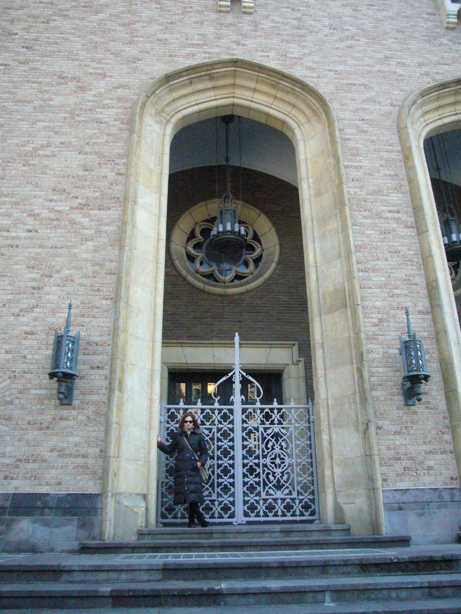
[(229, 275)]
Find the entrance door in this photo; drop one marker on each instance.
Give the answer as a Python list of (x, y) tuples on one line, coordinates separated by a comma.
[(261, 452), (194, 387)]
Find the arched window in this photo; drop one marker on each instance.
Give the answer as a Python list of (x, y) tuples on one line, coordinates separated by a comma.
[(443, 156), (428, 113)]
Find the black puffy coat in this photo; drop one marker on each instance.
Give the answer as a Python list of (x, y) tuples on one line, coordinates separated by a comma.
[(188, 485)]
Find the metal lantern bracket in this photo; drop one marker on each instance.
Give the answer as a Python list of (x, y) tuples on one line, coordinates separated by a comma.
[(414, 365), (64, 361)]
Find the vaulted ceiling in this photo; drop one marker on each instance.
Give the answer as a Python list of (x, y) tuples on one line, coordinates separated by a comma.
[(251, 145)]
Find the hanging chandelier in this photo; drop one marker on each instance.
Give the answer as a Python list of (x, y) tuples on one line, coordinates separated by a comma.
[(225, 247)]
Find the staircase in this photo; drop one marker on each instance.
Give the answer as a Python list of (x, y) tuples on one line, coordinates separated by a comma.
[(246, 538), (323, 568)]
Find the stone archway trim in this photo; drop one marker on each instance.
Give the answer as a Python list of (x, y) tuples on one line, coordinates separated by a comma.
[(348, 469), (430, 111)]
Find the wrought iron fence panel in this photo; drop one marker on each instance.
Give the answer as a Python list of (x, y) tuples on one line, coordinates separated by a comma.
[(269, 477), (278, 463)]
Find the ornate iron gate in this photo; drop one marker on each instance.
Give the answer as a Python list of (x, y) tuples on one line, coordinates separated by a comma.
[(261, 458)]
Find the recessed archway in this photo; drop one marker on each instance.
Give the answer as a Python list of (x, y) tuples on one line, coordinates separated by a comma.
[(348, 472)]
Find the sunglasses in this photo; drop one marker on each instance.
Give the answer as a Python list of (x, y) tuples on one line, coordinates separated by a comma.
[(188, 421)]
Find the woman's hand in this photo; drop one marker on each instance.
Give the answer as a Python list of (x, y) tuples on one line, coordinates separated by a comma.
[(199, 464)]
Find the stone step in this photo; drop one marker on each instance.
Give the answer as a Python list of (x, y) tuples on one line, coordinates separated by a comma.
[(208, 593), (255, 531), (204, 540), (169, 567), (425, 606)]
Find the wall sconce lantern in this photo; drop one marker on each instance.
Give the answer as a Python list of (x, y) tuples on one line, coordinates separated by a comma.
[(64, 361), (414, 365)]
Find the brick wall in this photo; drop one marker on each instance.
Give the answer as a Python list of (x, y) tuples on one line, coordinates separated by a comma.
[(71, 75)]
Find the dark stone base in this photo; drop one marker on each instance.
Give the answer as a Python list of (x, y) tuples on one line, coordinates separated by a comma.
[(429, 515), (58, 522), (48, 522)]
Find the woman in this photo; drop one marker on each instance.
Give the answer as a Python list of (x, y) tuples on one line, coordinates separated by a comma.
[(188, 485)]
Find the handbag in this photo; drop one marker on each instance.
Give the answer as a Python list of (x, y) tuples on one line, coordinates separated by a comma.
[(204, 473)]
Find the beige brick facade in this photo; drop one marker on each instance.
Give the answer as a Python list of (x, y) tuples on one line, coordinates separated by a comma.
[(72, 74)]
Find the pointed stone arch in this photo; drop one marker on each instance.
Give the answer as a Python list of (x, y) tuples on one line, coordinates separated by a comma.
[(428, 112), (347, 460)]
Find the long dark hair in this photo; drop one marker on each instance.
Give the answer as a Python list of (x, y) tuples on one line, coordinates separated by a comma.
[(188, 415)]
